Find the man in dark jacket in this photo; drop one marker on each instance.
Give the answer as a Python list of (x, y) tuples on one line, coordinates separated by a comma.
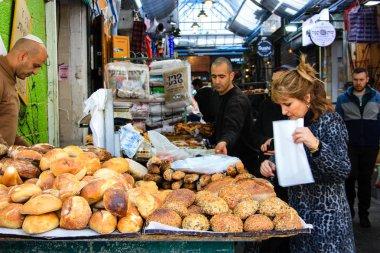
[(23, 60), (207, 99), (233, 124), (360, 108)]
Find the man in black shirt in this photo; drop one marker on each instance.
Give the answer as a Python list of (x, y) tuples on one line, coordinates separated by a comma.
[(233, 126), (207, 99)]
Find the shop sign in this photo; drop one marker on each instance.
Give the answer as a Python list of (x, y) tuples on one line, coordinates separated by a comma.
[(322, 34), (264, 48)]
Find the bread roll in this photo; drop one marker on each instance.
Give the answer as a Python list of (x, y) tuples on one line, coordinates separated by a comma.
[(246, 208), (288, 220), (190, 178), (117, 164), (24, 168), (73, 151), (102, 153), (42, 148), (162, 194), (153, 169), (240, 167), (194, 209), (177, 207), (116, 202), (258, 189), (43, 203), (183, 196), (231, 171), (11, 177), (273, 206), (177, 184), (94, 190), (204, 180), (227, 223), (217, 177), (46, 180), (75, 214), (233, 194), (145, 202), (103, 222), (105, 173), (153, 177), (11, 216), (148, 186), (5, 201), (217, 186), (129, 179), (90, 161), (258, 223), (36, 224), (168, 175), (165, 216), (51, 156), (214, 207), (137, 170), (21, 193), (25, 154), (70, 165), (131, 223), (31, 181), (178, 175), (68, 185), (196, 222)]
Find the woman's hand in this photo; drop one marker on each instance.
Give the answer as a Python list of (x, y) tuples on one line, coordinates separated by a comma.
[(264, 147), (267, 168), (305, 136), (221, 148)]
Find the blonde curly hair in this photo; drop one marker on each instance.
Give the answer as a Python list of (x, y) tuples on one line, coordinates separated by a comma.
[(300, 82)]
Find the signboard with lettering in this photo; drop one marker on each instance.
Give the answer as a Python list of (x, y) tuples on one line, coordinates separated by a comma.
[(322, 33), (21, 26), (264, 48)]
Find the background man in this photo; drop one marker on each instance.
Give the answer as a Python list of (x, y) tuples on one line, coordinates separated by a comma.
[(207, 99), (360, 108), (23, 60), (234, 118)]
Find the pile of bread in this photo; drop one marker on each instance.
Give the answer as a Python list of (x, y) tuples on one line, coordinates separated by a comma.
[(43, 187), (230, 202)]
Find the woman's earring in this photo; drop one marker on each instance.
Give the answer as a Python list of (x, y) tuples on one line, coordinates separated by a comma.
[(308, 105)]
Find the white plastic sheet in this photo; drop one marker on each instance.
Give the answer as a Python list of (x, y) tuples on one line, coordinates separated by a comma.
[(95, 105), (210, 164), (292, 165)]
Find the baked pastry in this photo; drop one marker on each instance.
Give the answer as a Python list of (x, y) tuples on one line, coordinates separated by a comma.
[(217, 177), (24, 153), (21, 193), (162, 194), (273, 206), (214, 207), (136, 169), (131, 223), (36, 224), (168, 175), (178, 175), (67, 185), (117, 164), (227, 223), (102, 153), (75, 213), (105, 173), (288, 220), (31, 181), (90, 161), (196, 222), (51, 156), (129, 179), (4, 201), (258, 223), (233, 194), (116, 202), (11, 216), (177, 184), (148, 186), (190, 178), (42, 148), (217, 186), (94, 190), (25, 169), (167, 217), (46, 180), (258, 190), (177, 207), (194, 209), (204, 180), (70, 165), (246, 208), (73, 151), (240, 167), (153, 177), (145, 202), (243, 176), (203, 197), (103, 222), (231, 171), (11, 177), (185, 197), (40, 204)]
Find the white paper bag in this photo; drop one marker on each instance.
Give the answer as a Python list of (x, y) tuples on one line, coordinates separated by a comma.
[(292, 165)]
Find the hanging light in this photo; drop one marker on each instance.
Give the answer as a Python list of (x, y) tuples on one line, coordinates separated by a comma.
[(208, 3), (195, 26), (202, 14)]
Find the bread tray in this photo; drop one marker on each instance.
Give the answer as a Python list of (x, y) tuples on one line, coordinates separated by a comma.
[(156, 228), (60, 233)]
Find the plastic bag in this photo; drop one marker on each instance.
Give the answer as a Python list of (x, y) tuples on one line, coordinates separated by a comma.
[(130, 140), (206, 164), (127, 80), (164, 149)]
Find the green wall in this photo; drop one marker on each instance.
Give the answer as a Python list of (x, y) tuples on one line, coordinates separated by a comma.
[(33, 123)]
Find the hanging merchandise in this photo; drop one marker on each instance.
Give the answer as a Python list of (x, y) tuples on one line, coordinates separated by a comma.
[(362, 24), (177, 85), (171, 46), (138, 35), (127, 80)]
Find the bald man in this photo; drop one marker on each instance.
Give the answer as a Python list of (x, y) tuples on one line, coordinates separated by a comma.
[(23, 60)]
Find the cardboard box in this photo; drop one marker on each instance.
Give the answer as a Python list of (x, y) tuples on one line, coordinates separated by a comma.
[(120, 47)]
